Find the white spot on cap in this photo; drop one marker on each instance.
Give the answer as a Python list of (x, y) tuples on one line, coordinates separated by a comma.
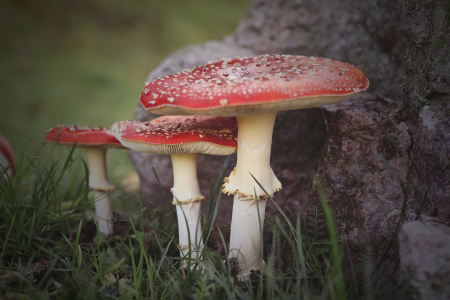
[(223, 102), (152, 102), (146, 91), (170, 99)]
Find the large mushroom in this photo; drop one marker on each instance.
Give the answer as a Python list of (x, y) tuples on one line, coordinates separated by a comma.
[(6, 158), (95, 142), (253, 89), (183, 138)]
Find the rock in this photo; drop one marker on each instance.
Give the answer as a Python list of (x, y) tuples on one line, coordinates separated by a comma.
[(426, 108), (424, 248), (413, 137), (364, 194), (367, 34)]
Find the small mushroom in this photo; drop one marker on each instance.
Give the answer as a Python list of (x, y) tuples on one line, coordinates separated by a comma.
[(183, 140), (95, 142), (7, 166)]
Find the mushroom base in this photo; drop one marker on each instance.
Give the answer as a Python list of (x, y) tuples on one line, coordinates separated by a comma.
[(103, 212), (245, 239), (190, 230)]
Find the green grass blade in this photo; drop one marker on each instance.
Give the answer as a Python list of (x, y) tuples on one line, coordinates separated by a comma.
[(337, 273)]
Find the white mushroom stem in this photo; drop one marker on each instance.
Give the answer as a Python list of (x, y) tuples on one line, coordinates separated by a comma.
[(245, 240), (253, 157), (186, 191), (100, 185), (4, 163)]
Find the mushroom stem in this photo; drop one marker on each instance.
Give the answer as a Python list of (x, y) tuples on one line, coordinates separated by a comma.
[(245, 239), (4, 163), (187, 191), (185, 181), (253, 157), (99, 184)]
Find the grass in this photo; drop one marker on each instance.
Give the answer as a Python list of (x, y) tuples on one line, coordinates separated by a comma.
[(50, 249)]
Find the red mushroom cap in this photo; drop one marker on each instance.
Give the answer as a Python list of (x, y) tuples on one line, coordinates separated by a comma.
[(8, 152), (181, 134), (261, 84), (85, 137)]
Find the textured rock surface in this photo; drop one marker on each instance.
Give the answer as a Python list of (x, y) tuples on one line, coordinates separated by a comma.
[(414, 133), (359, 187), (367, 34), (425, 256), (426, 108)]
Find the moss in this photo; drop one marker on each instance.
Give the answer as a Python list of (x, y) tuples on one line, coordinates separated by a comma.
[(445, 57), (446, 6), (438, 44)]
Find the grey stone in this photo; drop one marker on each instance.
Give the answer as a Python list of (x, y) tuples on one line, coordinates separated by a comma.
[(368, 34), (424, 248)]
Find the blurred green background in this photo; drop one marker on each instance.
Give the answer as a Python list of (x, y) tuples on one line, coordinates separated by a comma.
[(85, 62)]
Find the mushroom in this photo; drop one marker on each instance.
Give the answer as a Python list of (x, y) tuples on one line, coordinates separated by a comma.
[(95, 142), (253, 89), (6, 158), (183, 138)]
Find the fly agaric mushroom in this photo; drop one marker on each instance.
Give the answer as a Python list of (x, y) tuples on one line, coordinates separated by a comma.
[(253, 89), (95, 142), (6, 158), (183, 138)]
